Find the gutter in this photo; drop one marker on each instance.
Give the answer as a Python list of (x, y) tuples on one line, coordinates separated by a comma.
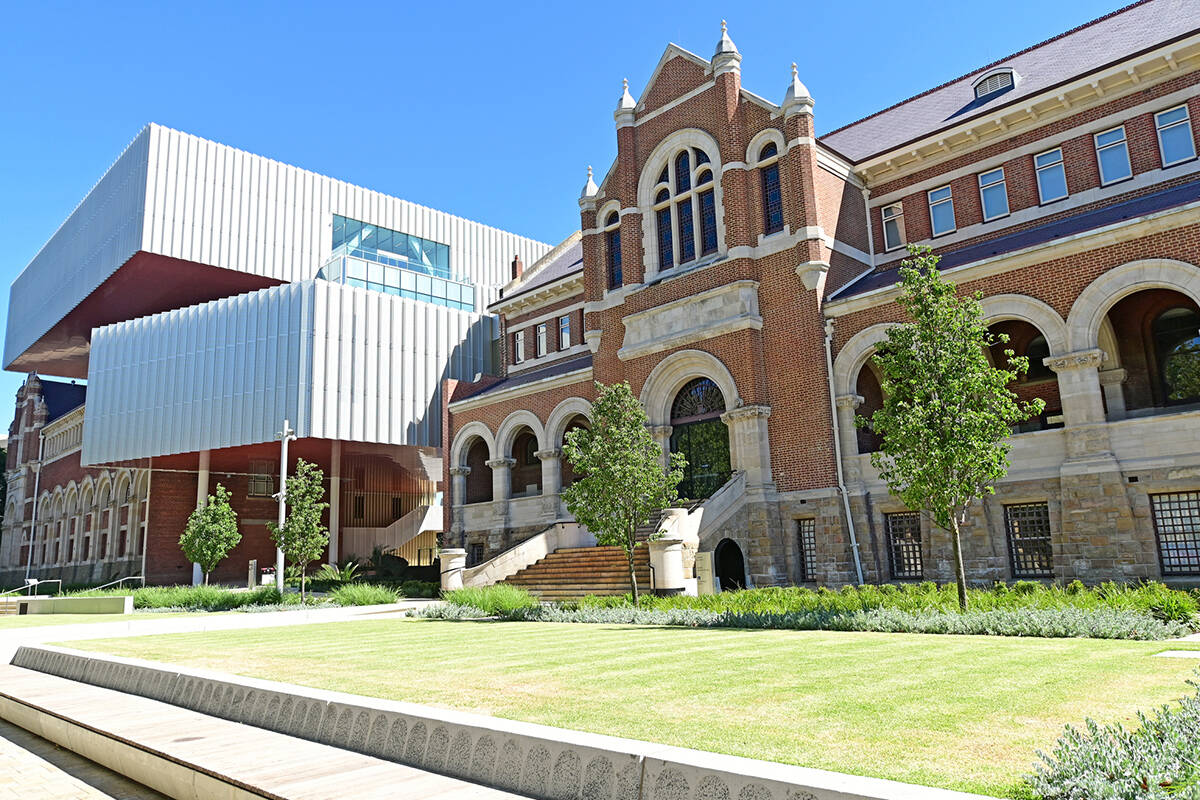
[(837, 451)]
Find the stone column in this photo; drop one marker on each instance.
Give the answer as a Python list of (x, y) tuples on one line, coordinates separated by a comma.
[(551, 480), (335, 502), (847, 405), (1111, 381), (501, 494), (1079, 385), (454, 561), (666, 559), (662, 435), (458, 497), (201, 500), (749, 443)]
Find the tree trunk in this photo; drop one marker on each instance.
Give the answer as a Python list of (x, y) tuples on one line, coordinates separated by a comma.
[(302, 566), (206, 579), (632, 577), (960, 574)]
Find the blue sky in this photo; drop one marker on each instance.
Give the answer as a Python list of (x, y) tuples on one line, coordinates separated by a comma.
[(487, 110)]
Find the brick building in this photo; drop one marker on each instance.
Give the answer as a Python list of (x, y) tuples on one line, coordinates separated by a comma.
[(738, 270), (206, 295)]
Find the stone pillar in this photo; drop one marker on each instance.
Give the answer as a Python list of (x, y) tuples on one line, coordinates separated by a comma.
[(501, 494), (335, 501), (201, 500), (666, 561), (662, 435), (458, 497), (551, 480), (1079, 385), (749, 443), (454, 561), (847, 405), (1111, 381)]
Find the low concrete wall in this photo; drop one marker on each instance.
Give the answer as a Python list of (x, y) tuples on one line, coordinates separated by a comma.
[(112, 604), (534, 760)]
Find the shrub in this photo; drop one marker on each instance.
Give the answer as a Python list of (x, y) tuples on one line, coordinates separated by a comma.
[(333, 574), (419, 589), (363, 594), (1158, 759), (498, 600)]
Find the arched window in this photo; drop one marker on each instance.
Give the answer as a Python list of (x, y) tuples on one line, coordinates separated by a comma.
[(479, 479), (699, 434), (772, 199), (612, 241), (1176, 334), (683, 197), (1037, 351), (526, 475)]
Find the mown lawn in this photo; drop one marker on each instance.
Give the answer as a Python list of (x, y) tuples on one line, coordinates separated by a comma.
[(8, 621), (960, 712)]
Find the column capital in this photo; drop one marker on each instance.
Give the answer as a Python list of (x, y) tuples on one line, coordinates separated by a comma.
[(548, 454), (746, 412), (1080, 359), (850, 401), (1111, 377), (460, 471), (502, 463), (660, 430)]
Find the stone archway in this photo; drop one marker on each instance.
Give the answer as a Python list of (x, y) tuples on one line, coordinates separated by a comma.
[(729, 565)]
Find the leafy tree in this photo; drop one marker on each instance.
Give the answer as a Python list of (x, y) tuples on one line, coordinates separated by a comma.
[(303, 538), (1183, 370), (622, 481), (947, 411), (211, 532)]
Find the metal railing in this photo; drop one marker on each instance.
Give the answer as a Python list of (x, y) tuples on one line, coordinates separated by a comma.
[(118, 581), (31, 584)]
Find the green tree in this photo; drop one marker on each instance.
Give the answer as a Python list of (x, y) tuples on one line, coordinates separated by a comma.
[(947, 411), (211, 532), (622, 479), (303, 538)]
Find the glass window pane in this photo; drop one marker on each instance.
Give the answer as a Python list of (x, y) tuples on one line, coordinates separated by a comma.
[(374, 272), (339, 230), (413, 252), (683, 173), (424, 284), (1109, 137), (1114, 163), (942, 217), (666, 258), (988, 178), (356, 269), (1053, 157), (687, 232), (708, 224), (939, 194), (1052, 183), (369, 239), (353, 232), (469, 296), (443, 257), (1176, 143), (391, 276), (408, 280), (428, 252), (891, 234), (995, 201), (1173, 115)]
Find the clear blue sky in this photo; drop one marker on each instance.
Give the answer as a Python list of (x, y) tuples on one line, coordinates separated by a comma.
[(487, 110)]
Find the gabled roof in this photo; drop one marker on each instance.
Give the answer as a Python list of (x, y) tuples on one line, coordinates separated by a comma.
[(564, 260), (1088, 48), (62, 397)]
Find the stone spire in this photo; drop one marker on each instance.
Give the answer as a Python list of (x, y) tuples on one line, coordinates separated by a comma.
[(797, 100), (726, 58), (590, 190), (625, 106)]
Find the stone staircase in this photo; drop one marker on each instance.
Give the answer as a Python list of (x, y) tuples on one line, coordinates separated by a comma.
[(573, 572)]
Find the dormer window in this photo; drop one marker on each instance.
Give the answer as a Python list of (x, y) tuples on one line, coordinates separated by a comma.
[(994, 83)]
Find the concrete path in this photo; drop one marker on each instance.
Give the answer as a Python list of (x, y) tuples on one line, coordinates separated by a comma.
[(33, 768), (145, 624)]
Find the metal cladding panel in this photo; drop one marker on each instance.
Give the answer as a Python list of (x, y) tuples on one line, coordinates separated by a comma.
[(100, 235), (337, 361), (181, 196)]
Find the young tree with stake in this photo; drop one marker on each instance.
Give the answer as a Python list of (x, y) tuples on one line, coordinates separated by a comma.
[(303, 538), (623, 481), (211, 532), (947, 411)]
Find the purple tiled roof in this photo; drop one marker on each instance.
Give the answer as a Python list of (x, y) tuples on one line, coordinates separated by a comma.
[(1088, 220), (1077, 52), (62, 397), (567, 263), (522, 378)]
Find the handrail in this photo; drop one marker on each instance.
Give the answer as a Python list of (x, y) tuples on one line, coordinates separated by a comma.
[(31, 584), (141, 578)]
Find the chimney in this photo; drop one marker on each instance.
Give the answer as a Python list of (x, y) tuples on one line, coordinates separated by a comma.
[(518, 268)]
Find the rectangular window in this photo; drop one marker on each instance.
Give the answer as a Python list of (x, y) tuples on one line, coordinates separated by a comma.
[(806, 538), (614, 259), (666, 257), (262, 479), (708, 224), (941, 211), (772, 199), (1177, 529), (1112, 153), (904, 545), (993, 194), (564, 332), (540, 340), (476, 554), (1051, 176), (518, 347), (1175, 142), (687, 232), (1029, 551), (893, 226)]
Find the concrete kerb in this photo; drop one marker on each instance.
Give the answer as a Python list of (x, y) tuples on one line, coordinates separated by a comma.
[(534, 760)]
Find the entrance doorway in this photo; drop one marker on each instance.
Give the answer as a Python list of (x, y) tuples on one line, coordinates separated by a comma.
[(729, 565)]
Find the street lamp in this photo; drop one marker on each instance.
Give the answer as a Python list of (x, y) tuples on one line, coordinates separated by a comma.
[(284, 436)]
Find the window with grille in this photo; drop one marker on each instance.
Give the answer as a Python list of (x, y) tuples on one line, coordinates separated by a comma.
[(684, 206), (475, 556), (904, 545), (1029, 551), (1177, 529), (262, 481), (772, 198), (806, 538)]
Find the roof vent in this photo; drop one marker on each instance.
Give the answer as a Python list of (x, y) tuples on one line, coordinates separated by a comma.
[(994, 83)]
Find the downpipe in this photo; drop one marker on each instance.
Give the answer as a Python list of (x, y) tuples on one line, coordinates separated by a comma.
[(837, 451)]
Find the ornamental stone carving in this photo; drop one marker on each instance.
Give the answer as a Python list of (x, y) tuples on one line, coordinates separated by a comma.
[(502, 463), (1081, 359)]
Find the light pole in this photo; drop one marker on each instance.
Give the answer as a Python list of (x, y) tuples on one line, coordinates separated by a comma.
[(285, 436)]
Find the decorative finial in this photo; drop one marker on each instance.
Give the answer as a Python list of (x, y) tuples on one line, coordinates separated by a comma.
[(625, 84), (723, 26), (797, 97), (589, 171), (626, 103), (590, 189), (795, 72), (725, 45)]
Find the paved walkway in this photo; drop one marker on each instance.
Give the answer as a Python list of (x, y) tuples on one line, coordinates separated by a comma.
[(35, 769)]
